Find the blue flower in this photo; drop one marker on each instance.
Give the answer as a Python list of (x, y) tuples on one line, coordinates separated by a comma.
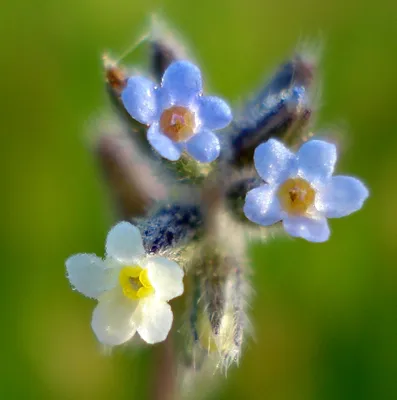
[(300, 190), (179, 116)]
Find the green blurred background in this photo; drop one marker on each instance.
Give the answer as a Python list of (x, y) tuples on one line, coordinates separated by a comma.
[(325, 315)]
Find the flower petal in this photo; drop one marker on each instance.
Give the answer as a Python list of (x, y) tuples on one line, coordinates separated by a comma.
[(139, 99), (316, 160), (313, 230), (273, 161), (182, 80), (112, 320), (204, 146), (166, 277), (214, 113), (162, 144), (262, 206), (342, 196), (124, 243), (90, 275), (156, 320)]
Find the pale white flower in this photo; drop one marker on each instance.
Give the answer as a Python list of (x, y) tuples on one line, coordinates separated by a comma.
[(131, 287)]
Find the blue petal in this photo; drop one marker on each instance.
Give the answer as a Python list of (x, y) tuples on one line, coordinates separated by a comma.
[(139, 99), (262, 206), (342, 196), (316, 160), (182, 81), (214, 113), (313, 230), (273, 161), (204, 146), (165, 146)]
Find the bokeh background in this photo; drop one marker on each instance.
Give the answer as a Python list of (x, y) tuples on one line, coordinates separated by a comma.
[(325, 315)]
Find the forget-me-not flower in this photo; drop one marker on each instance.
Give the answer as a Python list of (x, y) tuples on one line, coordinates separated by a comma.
[(300, 190), (179, 116), (132, 289)]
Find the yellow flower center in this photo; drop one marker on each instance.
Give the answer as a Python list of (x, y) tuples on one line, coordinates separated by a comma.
[(296, 196), (135, 282), (177, 123)]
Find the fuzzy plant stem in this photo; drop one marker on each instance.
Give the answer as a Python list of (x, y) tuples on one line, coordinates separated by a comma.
[(281, 109)]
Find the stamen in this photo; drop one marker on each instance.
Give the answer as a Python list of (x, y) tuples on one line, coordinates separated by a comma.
[(135, 282), (177, 123), (296, 196)]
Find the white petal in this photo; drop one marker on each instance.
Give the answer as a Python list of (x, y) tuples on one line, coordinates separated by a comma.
[(124, 243), (273, 161), (162, 144), (112, 320), (139, 99), (316, 160), (90, 275), (342, 196), (262, 206), (156, 320), (166, 276), (313, 230), (204, 146)]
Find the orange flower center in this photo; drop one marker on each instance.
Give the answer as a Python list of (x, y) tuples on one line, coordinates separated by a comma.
[(177, 123), (296, 196)]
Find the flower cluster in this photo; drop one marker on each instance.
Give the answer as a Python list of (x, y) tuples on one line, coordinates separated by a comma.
[(190, 227)]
